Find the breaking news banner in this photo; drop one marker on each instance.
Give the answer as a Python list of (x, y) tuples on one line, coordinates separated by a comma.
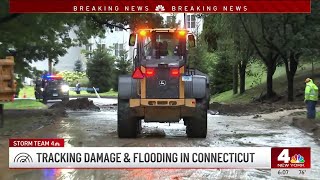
[(51, 153), (172, 6)]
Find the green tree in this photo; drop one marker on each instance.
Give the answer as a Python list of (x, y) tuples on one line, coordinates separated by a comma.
[(34, 37), (219, 79), (253, 26), (123, 67), (37, 37), (292, 37), (211, 31), (224, 33), (171, 22), (100, 70), (285, 37), (241, 51), (197, 58), (78, 66)]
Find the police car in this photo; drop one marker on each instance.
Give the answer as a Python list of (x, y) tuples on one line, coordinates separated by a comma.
[(52, 87)]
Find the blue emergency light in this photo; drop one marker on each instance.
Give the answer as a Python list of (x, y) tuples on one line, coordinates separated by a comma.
[(49, 77)]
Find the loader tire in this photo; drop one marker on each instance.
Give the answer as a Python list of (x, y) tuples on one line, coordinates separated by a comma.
[(196, 126), (127, 123), (139, 126)]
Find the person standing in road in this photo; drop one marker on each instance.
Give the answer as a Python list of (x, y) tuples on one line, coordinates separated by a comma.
[(78, 87), (311, 95)]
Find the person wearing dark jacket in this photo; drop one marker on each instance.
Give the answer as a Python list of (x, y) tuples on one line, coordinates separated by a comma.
[(78, 88)]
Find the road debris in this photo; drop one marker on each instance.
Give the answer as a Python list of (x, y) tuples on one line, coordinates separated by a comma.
[(256, 116), (212, 112), (76, 104)]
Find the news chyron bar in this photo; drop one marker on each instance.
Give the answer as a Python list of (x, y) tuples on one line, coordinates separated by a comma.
[(52, 153), (156, 6)]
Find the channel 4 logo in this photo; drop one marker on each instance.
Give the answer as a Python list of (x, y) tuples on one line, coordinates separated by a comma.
[(290, 157)]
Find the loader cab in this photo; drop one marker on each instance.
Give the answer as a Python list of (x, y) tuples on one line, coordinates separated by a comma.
[(161, 55), (161, 46)]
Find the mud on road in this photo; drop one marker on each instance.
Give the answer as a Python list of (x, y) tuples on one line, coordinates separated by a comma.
[(19, 122), (253, 108), (99, 128), (76, 105), (311, 126)]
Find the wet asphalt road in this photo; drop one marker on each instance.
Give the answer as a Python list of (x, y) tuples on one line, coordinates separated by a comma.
[(99, 129)]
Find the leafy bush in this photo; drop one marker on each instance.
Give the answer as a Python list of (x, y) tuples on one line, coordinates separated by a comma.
[(256, 76), (72, 77), (84, 82), (100, 70)]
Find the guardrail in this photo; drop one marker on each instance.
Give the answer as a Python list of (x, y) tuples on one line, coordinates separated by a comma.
[(84, 89)]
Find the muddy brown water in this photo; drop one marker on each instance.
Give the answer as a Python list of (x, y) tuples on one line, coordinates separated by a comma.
[(94, 129)]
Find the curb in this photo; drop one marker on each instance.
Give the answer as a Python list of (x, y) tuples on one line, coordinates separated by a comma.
[(308, 125)]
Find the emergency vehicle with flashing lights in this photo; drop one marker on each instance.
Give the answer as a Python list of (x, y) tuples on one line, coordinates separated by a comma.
[(51, 87)]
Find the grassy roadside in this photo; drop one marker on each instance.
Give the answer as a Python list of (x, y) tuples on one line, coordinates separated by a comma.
[(86, 94), (29, 92), (251, 83), (24, 104), (255, 90)]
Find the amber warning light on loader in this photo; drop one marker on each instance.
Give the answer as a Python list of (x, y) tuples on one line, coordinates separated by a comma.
[(143, 33), (182, 33)]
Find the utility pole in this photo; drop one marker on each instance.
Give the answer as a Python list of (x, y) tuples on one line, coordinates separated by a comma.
[(312, 71), (184, 21), (186, 68), (1, 116), (50, 66)]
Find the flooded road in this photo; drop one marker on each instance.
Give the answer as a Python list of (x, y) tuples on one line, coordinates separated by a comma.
[(93, 129)]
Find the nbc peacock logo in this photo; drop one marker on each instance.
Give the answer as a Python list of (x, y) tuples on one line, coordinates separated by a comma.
[(160, 8), (297, 158)]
